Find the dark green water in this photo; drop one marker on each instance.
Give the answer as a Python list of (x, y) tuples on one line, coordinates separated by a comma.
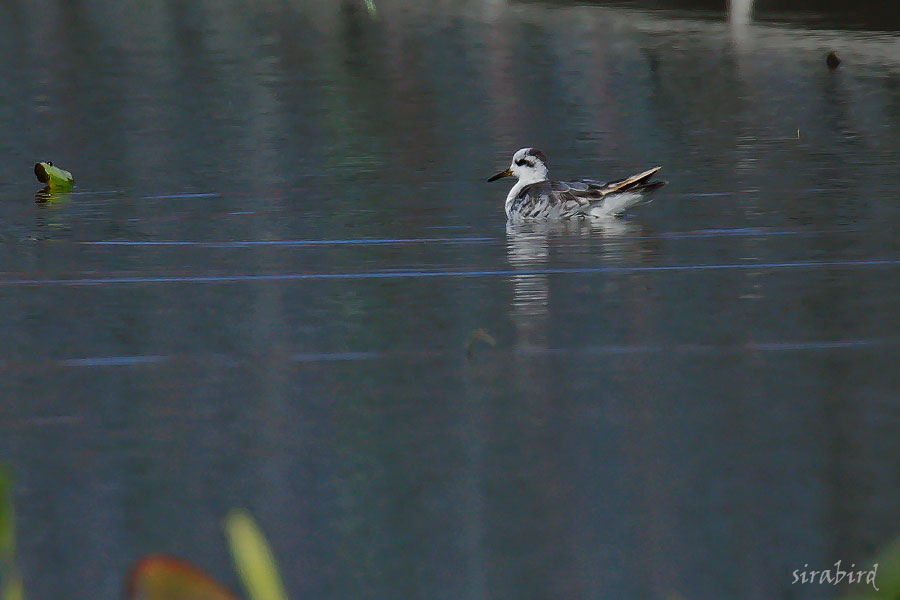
[(261, 290)]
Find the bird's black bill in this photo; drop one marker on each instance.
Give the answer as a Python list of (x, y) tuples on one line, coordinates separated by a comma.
[(500, 175)]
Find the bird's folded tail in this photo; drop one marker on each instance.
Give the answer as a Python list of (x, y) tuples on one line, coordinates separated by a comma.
[(636, 183)]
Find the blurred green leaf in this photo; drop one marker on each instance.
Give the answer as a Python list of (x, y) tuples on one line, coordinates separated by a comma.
[(253, 559), (10, 581), (55, 178), (7, 530), (887, 578), (12, 587)]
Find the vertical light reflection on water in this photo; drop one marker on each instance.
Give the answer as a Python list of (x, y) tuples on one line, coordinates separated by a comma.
[(498, 78), (608, 242), (740, 12), (474, 434), (639, 403)]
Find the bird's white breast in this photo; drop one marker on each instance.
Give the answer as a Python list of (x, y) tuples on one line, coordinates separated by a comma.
[(527, 179)]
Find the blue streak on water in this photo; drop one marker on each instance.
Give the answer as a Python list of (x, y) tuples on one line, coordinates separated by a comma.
[(700, 233), (93, 192), (748, 232), (177, 196), (608, 350), (483, 273), (732, 193), (776, 346), (333, 356), (113, 361), (249, 243), (816, 345)]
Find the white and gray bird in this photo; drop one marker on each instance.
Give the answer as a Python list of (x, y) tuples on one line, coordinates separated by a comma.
[(535, 197)]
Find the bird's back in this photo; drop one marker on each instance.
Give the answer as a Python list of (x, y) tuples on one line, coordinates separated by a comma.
[(579, 199)]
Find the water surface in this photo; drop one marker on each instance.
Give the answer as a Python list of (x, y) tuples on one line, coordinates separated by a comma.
[(262, 290)]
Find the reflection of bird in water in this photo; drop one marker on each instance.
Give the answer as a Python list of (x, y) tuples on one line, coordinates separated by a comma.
[(528, 249), (535, 197)]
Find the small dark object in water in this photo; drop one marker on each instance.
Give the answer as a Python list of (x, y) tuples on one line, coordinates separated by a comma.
[(478, 335), (41, 173), (832, 60)]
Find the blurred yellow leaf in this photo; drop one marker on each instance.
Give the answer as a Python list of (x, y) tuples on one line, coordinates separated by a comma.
[(252, 558), (12, 588), (167, 578)]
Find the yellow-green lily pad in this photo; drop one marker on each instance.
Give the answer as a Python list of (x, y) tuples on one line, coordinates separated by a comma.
[(54, 177)]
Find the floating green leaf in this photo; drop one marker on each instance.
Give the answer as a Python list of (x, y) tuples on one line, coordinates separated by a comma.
[(54, 177), (252, 558)]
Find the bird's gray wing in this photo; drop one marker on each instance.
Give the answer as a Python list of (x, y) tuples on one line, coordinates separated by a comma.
[(569, 198), (581, 192), (545, 200), (534, 201)]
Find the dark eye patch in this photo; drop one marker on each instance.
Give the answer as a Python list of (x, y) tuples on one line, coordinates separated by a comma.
[(537, 154), (522, 162)]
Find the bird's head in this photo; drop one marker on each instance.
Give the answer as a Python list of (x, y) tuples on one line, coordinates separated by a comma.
[(528, 165)]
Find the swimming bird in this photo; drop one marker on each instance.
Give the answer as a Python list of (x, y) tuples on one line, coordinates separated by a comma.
[(535, 197)]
